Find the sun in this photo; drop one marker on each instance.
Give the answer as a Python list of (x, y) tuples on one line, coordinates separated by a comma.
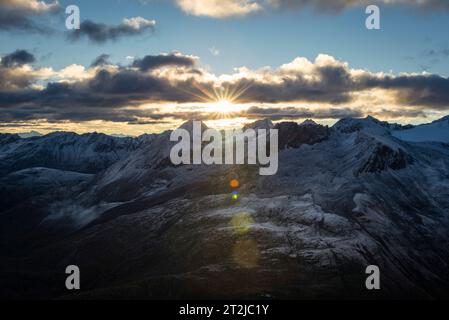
[(224, 105), (221, 107), (224, 102)]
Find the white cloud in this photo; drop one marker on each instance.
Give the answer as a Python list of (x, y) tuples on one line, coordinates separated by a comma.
[(219, 8), (31, 5), (138, 23), (214, 51)]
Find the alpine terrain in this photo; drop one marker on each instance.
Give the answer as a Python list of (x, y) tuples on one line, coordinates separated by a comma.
[(362, 192)]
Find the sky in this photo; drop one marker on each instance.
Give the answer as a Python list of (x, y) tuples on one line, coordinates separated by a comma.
[(138, 66)]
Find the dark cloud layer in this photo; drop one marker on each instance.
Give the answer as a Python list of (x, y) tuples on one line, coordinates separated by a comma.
[(103, 97), (336, 85), (115, 94), (299, 113), (332, 84), (416, 90)]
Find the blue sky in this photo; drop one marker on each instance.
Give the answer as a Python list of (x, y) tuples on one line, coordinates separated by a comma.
[(260, 39)]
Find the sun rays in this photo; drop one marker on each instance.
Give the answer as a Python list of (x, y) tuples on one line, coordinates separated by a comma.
[(222, 102), (222, 108)]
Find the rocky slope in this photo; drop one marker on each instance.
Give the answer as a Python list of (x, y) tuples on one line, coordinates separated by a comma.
[(344, 198), (87, 153)]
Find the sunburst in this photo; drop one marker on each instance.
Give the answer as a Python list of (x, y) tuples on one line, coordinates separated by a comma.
[(221, 101), (221, 107)]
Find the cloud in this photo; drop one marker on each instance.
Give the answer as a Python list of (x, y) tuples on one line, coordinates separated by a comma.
[(18, 57), (414, 90), (152, 62), (19, 14), (239, 8), (14, 20), (328, 80), (325, 80), (281, 113), (443, 52), (285, 113), (339, 5), (325, 88), (34, 6), (101, 33), (101, 92), (219, 8), (14, 79), (100, 60), (399, 113), (432, 57), (16, 73), (329, 6), (214, 51), (73, 73)]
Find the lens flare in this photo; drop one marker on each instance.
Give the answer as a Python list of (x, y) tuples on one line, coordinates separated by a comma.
[(246, 254), (235, 195), (234, 183), (241, 223)]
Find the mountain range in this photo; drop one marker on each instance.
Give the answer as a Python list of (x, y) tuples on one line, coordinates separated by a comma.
[(362, 192)]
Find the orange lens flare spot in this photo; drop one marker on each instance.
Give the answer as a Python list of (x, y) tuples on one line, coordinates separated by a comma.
[(234, 183)]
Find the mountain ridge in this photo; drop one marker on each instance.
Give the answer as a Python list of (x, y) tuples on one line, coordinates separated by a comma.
[(344, 197)]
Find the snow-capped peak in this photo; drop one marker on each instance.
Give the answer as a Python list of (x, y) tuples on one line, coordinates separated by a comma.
[(443, 120), (30, 134), (260, 124), (308, 122), (188, 125), (367, 125), (437, 131)]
